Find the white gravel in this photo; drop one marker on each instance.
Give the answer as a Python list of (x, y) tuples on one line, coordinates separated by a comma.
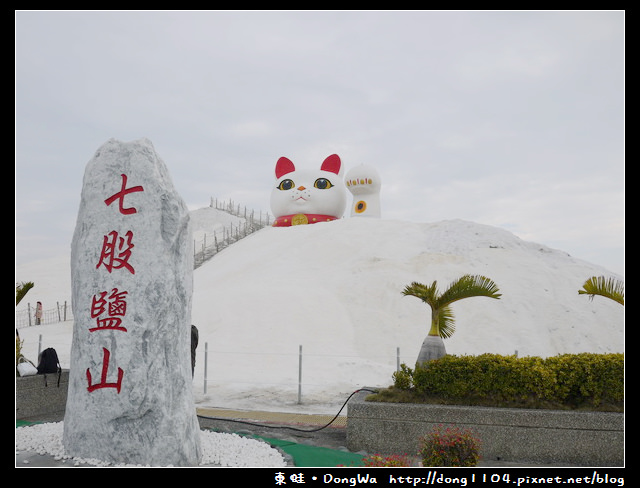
[(218, 449)]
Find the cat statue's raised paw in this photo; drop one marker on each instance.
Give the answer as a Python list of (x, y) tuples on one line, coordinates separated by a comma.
[(303, 196), (364, 183)]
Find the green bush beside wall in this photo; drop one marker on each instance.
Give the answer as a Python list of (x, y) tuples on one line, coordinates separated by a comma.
[(586, 380)]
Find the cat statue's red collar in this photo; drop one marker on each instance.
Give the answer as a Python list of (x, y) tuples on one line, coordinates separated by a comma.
[(302, 219)]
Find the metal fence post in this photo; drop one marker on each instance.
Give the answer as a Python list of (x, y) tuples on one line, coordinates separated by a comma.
[(206, 354), (300, 375)]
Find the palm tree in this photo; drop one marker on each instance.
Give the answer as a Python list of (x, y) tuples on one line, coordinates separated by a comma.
[(442, 320), (22, 289), (609, 288)]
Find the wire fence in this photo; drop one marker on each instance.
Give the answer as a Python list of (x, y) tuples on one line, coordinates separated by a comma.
[(294, 371), (211, 244), (27, 318), (297, 372)]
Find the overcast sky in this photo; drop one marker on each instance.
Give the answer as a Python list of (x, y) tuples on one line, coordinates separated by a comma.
[(510, 119)]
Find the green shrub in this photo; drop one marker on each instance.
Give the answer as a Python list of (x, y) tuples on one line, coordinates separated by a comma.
[(403, 379), (18, 350), (592, 381), (588, 379), (450, 446)]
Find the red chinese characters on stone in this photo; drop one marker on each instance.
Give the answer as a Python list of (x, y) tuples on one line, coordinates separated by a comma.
[(103, 376), (112, 309), (109, 309), (120, 197), (116, 252)]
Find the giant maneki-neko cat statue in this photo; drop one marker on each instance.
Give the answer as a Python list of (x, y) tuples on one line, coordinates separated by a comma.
[(303, 196)]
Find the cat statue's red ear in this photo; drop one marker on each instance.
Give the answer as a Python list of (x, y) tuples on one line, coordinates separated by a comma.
[(284, 166), (332, 164)]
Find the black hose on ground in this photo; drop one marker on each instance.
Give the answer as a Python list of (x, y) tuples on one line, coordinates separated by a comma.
[(285, 426)]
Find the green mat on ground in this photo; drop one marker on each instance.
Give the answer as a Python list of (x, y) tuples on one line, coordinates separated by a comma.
[(305, 456)]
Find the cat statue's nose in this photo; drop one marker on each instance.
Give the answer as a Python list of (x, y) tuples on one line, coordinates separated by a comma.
[(301, 188)]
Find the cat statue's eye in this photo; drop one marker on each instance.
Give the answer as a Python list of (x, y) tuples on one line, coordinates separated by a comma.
[(286, 184), (322, 183)]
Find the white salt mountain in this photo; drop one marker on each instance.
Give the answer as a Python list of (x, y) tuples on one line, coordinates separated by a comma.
[(130, 393), (335, 289)]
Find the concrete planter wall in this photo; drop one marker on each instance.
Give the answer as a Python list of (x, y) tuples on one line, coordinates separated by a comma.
[(38, 396), (551, 437)]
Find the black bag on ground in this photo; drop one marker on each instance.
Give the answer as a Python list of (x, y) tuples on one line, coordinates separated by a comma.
[(48, 363)]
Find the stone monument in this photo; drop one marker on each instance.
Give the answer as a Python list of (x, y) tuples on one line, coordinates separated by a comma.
[(130, 398)]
